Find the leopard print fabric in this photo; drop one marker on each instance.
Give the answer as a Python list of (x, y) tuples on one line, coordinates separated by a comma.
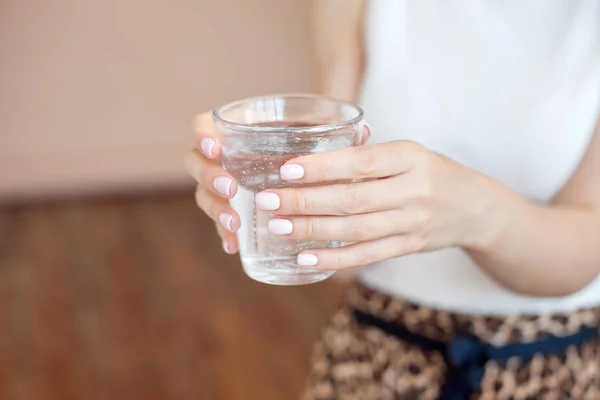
[(356, 362)]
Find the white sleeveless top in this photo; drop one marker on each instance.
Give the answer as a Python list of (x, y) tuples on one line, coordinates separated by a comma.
[(508, 88)]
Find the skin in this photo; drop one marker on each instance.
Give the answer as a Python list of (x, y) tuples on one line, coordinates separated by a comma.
[(411, 199)]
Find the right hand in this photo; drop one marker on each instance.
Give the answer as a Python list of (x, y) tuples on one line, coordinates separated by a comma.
[(215, 185)]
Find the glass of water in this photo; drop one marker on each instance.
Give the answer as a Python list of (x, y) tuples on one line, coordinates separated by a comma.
[(258, 136)]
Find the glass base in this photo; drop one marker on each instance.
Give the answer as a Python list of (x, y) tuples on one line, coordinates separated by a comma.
[(281, 271)]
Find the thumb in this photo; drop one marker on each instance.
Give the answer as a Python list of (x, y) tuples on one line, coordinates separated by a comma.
[(366, 133)]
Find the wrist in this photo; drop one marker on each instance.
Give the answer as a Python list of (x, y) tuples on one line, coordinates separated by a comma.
[(493, 208)]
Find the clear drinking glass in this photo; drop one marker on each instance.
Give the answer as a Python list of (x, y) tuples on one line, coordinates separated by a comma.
[(258, 136)]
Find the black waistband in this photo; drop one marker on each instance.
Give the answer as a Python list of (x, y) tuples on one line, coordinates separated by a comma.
[(466, 355)]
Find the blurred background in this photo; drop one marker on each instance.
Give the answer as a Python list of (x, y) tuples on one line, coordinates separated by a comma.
[(113, 284)]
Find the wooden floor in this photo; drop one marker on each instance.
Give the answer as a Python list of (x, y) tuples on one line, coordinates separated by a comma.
[(134, 299)]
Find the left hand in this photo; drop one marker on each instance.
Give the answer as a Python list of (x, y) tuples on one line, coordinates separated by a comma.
[(409, 200)]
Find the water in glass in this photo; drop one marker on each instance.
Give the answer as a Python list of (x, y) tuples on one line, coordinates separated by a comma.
[(255, 165)]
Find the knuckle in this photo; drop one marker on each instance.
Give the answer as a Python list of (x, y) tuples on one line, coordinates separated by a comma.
[(413, 151), (300, 202), (207, 203), (423, 194), (354, 202), (205, 179), (365, 165), (421, 156), (202, 200), (411, 146), (422, 218), (220, 230), (311, 229)]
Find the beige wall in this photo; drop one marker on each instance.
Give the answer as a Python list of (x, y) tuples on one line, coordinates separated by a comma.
[(99, 95)]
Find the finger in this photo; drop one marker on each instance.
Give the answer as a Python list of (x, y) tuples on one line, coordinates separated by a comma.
[(228, 240), (204, 126), (217, 209), (210, 175), (355, 228), (207, 136), (362, 253), (340, 199), (209, 147), (366, 133), (359, 162)]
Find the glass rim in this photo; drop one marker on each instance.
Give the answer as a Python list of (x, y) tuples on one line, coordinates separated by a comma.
[(248, 128)]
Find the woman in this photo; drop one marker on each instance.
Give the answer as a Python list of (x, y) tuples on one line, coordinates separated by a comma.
[(482, 229)]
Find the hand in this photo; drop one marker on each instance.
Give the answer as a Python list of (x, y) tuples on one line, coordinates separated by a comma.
[(215, 185), (408, 200)]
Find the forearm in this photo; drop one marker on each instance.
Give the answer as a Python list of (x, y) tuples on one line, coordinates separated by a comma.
[(338, 80), (536, 249), (337, 47)]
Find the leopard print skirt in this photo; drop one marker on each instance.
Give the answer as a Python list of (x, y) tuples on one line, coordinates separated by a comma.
[(356, 361)]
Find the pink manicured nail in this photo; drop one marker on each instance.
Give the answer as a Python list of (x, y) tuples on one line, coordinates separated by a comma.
[(278, 226), (223, 185), (225, 220), (226, 247), (207, 146), (291, 172), (366, 132), (307, 259), (267, 201)]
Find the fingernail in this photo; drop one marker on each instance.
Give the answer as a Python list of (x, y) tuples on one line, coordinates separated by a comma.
[(225, 220), (223, 185), (207, 145), (280, 226), (267, 201), (366, 132), (307, 259), (291, 172), (226, 247)]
